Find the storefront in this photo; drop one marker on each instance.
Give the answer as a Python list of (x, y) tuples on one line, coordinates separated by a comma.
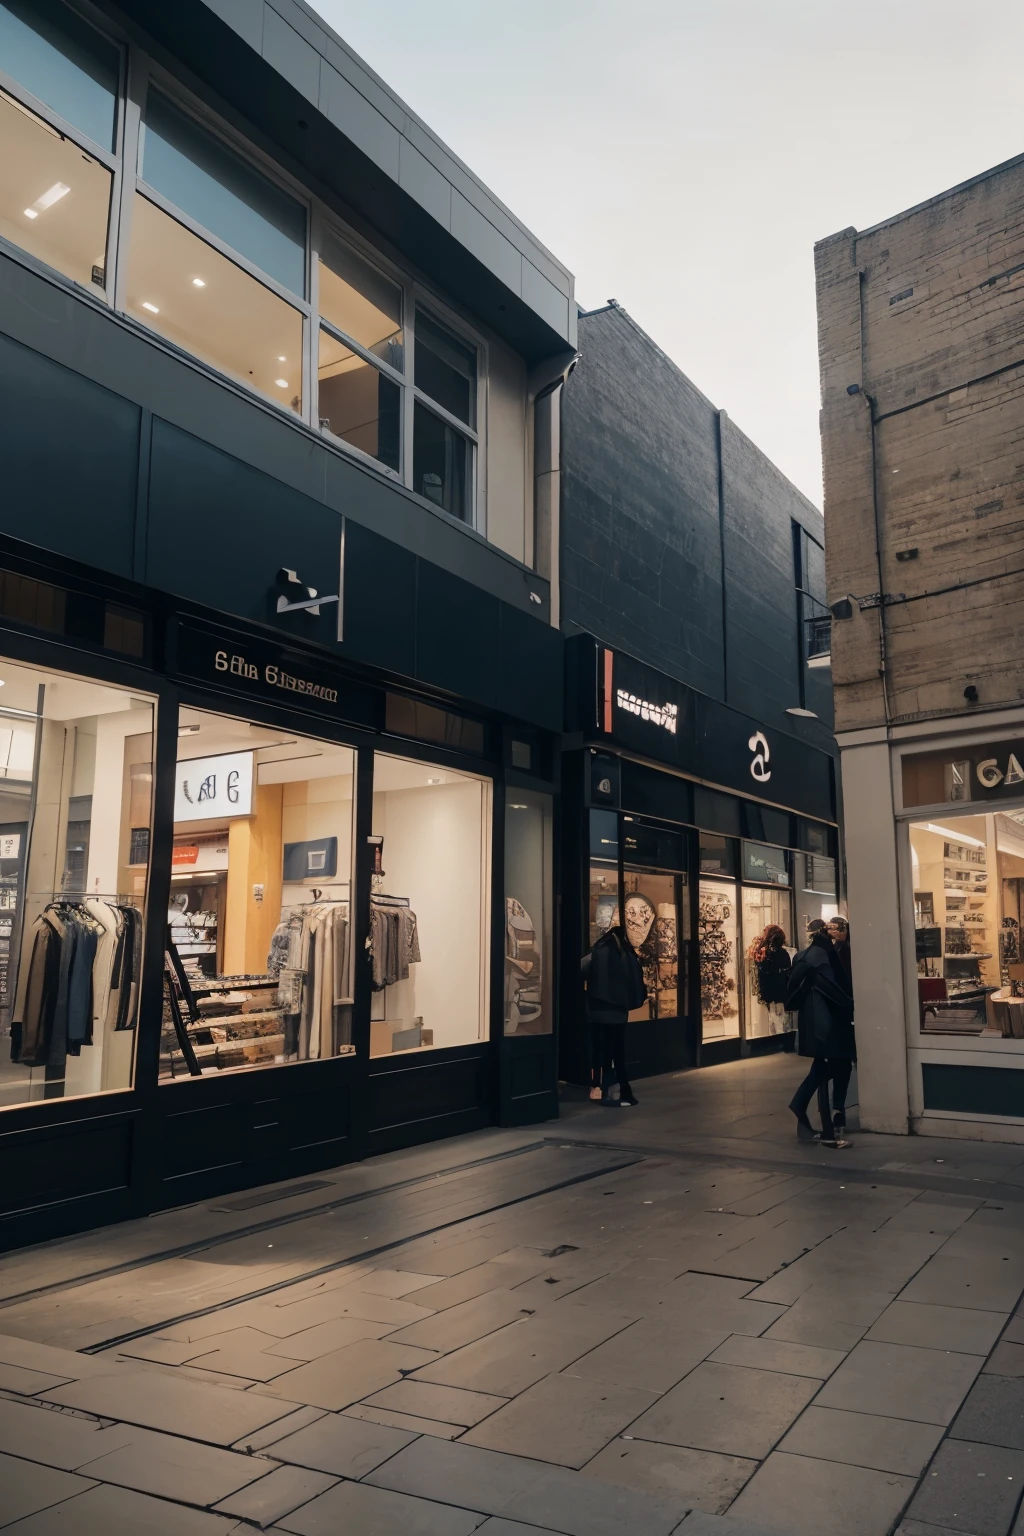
[(960, 856), (698, 828), (260, 912)]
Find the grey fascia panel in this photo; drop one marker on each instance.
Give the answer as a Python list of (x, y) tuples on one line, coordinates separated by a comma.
[(290, 54), (359, 120), (298, 46), (545, 298), (423, 181), (486, 243), (243, 17)]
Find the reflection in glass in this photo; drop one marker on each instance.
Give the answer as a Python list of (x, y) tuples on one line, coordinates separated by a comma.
[(261, 939), (223, 193), (604, 900), (446, 369), (429, 907), (528, 925), (63, 62), (967, 873), (440, 463), (719, 983), (357, 402), (76, 784), (361, 301), (54, 199), (191, 294), (652, 908)]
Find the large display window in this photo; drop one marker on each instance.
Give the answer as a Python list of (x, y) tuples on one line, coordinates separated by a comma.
[(75, 819), (260, 949), (529, 895), (429, 906), (968, 874), (766, 913)]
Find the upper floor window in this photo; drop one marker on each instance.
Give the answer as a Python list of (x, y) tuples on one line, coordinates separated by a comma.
[(55, 189), (224, 257)]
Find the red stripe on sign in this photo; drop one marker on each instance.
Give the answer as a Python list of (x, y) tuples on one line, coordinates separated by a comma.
[(609, 657)]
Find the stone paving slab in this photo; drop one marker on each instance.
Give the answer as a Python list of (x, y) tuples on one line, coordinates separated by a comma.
[(704, 1479), (802, 1497), (26, 1487), (109, 1511), (971, 1487), (727, 1408), (277, 1494), (562, 1419), (377, 1512), (863, 1440), (902, 1381)]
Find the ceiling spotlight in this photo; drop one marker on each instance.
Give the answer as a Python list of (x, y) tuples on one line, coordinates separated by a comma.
[(435, 781), (50, 196), (803, 714), (515, 806), (151, 307), (30, 213), (282, 359), (198, 282), (281, 383)]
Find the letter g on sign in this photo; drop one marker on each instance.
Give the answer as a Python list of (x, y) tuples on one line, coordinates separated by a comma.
[(989, 773), (759, 769)]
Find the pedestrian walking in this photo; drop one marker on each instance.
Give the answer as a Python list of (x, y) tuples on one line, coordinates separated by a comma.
[(615, 986), (818, 993)]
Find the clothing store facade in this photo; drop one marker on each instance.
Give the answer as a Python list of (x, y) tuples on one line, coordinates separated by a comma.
[(696, 827), (280, 690)]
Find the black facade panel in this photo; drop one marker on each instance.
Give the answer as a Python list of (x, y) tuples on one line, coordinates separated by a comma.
[(529, 678), (646, 792), (70, 453), (219, 531), (379, 617), (436, 1091), (973, 1090), (457, 636), (199, 1140), (64, 1163)]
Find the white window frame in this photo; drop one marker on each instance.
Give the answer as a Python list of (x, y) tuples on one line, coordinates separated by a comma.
[(139, 71)]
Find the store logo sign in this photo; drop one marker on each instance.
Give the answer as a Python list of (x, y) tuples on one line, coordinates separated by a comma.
[(991, 775), (209, 788), (759, 769), (665, 715)]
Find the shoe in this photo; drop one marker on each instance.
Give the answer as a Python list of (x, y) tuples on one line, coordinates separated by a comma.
[(836, 1145), (611, 1103), (804, 1129), (595, 1094), (629, 1099)]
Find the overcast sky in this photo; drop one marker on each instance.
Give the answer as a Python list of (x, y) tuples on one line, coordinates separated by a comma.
[(682, 156)]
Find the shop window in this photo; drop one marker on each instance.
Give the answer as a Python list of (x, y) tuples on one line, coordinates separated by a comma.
[(815, 889), (528, 913), (358, 400), (715, 812), (718, 931), (181, 287), (718, 855), (358, 403), (657, 924), (260, 947), (967, 876), (361, 303), (604, 899), (75, 812), (764, 910), (604, 835), (54, 198), (79, 616), (445, 373), (429, 907), (64, 63), (223, 193)]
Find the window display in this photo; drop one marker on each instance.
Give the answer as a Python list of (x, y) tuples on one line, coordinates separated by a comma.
[(717, 927), (652, 905), (604, 899), (767, 928), (75, 815), (259, 951), (528, 927), (429, 906), (967, 873)]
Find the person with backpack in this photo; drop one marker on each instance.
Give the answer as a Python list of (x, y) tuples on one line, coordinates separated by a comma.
[(614, 980), (818, 993)]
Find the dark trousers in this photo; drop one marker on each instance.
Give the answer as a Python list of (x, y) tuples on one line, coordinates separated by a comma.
[(608, 1053), (839, 1069)]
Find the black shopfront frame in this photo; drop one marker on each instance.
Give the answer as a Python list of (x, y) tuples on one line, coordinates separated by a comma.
[(647, 747), (76, 1163)]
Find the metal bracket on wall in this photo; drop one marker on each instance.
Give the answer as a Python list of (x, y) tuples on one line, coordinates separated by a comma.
[(309, 602)]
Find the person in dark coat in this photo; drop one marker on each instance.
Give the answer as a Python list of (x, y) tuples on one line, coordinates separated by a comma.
[(614, 980), (818, 993)]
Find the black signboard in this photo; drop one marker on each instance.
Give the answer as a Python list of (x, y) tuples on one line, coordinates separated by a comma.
[(259, 670), (992, 770), (642, 709)]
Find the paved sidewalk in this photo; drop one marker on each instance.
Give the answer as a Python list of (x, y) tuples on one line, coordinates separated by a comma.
[(668, 1319)]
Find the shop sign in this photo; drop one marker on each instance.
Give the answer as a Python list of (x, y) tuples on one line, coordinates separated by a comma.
[(213, 788), (645, 710), (259, 670), (991, 770)]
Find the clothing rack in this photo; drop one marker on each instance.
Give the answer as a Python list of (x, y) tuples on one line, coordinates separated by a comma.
[(389, 901)]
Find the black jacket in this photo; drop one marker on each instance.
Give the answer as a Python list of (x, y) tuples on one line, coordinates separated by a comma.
[(825, 1008), (614, 977), (773, 975)]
